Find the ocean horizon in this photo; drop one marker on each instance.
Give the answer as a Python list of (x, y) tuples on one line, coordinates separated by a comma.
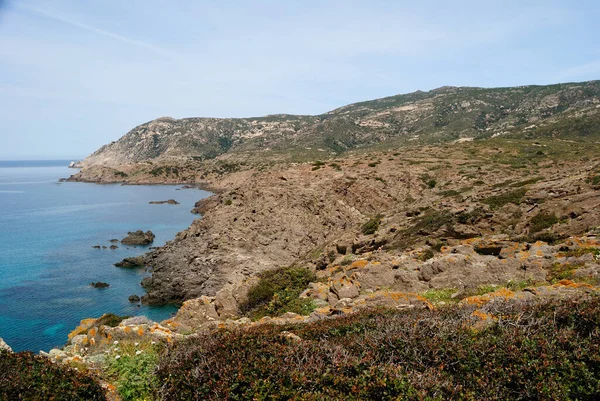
[(48, 230)]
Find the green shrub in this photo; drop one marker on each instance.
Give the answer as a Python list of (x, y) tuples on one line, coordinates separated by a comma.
[(496, 202), (450, 192), (131, 369), (25, 376), (537, 350), (277, 292), (426, 255), (227, 202), (371, 226), (541, 221), (110, 319)]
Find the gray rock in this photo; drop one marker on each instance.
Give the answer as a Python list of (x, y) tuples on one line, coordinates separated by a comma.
[(138, 238), (131, 263)]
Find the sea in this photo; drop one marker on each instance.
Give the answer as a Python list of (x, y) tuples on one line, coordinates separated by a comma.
[(47, 261)]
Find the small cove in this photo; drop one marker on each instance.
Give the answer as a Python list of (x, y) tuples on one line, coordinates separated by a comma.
[(47, 260)]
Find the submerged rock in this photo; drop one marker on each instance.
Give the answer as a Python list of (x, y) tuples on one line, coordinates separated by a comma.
[(99, 284), (133, 262), (169, 202), (138, 238)]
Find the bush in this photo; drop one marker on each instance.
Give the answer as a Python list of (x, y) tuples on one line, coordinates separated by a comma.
[(371, 226), (25, 376), (496, 202), (131, 369), (277, 292), (535, 351), (541, 221), (110, 319)]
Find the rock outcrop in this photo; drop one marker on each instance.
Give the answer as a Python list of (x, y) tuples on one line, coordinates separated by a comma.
[(133, 262), (167, 202), (138, 238)]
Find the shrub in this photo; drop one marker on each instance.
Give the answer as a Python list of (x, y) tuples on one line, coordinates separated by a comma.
[(426, 255), (541, 221), (277, 292), (497, 201), (110, 319), (371, 226), (541, 350), (25, 376), (131, 369)]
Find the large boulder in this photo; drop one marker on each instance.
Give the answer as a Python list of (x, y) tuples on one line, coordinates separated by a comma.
[(138, 238)]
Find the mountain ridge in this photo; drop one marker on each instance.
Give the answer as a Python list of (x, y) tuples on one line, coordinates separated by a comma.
[(440, 115)]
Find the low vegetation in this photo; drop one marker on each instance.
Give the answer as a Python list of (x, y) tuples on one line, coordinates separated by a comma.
[(535, 351), (371, 226), (542, 221), (25, 376), (497, 201), (277, 292), (130, 366)]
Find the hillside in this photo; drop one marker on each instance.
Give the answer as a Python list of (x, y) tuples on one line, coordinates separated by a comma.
[(440, 115)]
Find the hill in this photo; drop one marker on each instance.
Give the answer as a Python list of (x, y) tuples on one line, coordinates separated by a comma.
[(440, 115)]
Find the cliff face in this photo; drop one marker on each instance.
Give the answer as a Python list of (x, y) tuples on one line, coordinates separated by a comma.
[(440, 115)]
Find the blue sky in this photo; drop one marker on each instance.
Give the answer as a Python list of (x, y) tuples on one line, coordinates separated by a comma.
[(75, 74)]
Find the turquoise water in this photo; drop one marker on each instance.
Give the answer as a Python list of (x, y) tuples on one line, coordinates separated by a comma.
[(47, 230)]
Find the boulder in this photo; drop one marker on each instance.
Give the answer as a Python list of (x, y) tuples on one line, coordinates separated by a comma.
[(138, 238), (131, 263), (99, 284), (134, 298)]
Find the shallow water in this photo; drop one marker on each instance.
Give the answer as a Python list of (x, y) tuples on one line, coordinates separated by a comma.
[(47, 230)]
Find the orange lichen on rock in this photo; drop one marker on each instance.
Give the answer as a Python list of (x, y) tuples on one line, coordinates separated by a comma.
[(127, 329), (83, 327), (572, 284), (481, 300), (359, 263)]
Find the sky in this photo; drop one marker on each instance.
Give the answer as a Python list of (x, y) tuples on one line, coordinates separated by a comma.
[(75, 75)]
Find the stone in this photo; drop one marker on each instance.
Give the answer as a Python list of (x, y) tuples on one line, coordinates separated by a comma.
[(134, 298), (345, 287), (138, 238), (131, 263), (99, 284)]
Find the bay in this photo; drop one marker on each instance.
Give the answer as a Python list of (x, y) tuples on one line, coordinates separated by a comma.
[(47, 260)]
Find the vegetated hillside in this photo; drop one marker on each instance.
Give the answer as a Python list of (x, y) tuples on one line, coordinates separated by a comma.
[(439, 115), (512, 351)]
